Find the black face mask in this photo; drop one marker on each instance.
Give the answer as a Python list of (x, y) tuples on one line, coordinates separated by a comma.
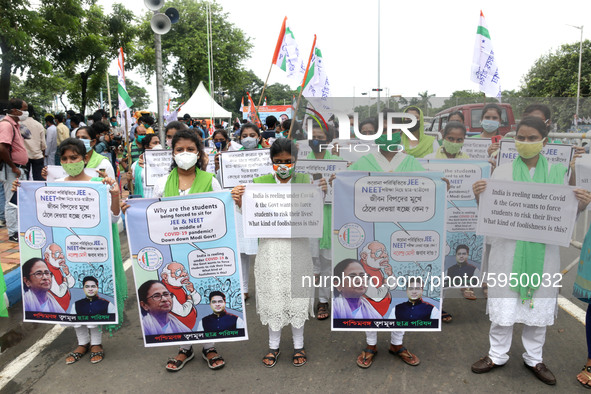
[(315, 145), (220, 145)]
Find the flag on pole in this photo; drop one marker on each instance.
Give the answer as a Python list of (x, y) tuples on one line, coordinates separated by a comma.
[(242, 108), (287, 54), (124, 99), (253, 116), (265, 103), (485, 71), (316, 83)]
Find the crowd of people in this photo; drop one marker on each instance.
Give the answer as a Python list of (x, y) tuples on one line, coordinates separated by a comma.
[(76, 144)]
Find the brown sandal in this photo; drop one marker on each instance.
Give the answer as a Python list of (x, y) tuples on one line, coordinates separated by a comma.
[(405, 355), (586, 372), (365, 359), (97, 357), (323, 310), (77, 355)]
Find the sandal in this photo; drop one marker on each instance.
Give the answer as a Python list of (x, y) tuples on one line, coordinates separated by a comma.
[(274, 356), (299, 354), (586, 372), (446, 317), (365, 359), (97, 357), (76, 355), (323, 312), (405, 355), (179, 364), (469, 294), (211, 361)]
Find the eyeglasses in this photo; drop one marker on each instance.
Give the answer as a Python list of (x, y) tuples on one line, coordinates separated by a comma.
[(56, 254), (41, 274), (158, 296), (179, 272)]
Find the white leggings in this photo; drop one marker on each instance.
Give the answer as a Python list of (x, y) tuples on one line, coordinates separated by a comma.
[(86, 334), (395, 337), (297, 333)]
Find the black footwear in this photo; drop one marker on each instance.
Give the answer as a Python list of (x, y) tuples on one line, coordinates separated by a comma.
[(484, 365), (13, 238), (542, 373)]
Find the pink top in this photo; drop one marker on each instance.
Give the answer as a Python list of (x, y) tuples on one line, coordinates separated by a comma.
[(8, 129)]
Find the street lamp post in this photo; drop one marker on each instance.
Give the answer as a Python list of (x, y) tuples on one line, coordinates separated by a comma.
[(579, 77)]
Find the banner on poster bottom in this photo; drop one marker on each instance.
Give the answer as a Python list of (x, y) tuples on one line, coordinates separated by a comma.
[(187, 246), (65, 230), (527, 211), (282, 211)]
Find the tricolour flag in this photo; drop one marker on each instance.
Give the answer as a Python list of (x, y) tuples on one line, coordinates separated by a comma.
[(253, 116), (485, 71), (315, 83), (287, 54), (124, 99), (265, 103)]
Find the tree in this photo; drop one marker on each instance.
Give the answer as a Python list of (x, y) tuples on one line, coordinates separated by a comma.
[(139, 95), (40, 90), (84, 42), (184, 48), (247, 82), (425, 101), (18, 26)]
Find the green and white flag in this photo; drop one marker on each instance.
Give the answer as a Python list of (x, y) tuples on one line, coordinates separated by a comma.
[(316, 83), (124, 99), (485, 71), (287, 54)]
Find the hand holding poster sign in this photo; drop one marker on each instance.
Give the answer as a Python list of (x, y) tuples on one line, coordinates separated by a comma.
[(325, 168), (240, 167), (282, 211), (527, 211), (156, 165), (555, 153)]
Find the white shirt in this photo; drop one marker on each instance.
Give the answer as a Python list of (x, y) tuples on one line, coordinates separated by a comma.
[(389, 166)]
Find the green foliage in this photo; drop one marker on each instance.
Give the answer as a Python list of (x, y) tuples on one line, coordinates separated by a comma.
[(184, 48)]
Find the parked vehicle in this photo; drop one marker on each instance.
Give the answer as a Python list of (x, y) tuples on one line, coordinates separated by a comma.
[(472, 114)]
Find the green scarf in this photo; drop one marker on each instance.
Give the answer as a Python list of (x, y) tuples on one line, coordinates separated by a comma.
[(95, 160), (138, 185), (120, 278), (425, 145), (582, 286), (3, 307), (529, 256), (441, 155), (202, 183), (369, 163)]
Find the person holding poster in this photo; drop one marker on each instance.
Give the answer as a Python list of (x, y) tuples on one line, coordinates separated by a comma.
[(150, 141), (454, 134), (74, 157), (388, 159), (276, 264), (582, 290), (222, 143), (490, 120), (533, 304), (186, 178), (322, 251), (424, 144), (92, 159)]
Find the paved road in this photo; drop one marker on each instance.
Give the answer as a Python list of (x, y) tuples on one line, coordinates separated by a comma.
[(446, 358)]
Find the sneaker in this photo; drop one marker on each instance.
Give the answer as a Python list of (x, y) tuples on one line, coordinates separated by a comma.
[(13, 238)]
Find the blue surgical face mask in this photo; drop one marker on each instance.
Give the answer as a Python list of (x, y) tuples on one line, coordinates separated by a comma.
[(86, 145), (490, 125)]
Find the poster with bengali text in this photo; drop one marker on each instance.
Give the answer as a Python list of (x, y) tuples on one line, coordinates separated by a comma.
[(555, 153), (186, 266), (476, 148), (318, 169), (156, 165), (65, 236), (241, 167), (388, 251)]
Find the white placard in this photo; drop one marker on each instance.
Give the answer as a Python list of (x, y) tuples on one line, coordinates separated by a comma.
[(303, 149), (476, 148), (461, 175), (326, 168), (156, 165), (555, 153), (583, 172), (243, 166), (282, 211), (527, 211)]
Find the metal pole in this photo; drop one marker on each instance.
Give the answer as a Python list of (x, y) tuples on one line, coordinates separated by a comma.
[(159, 85), (109, 97), (579, 80), (378, 107)]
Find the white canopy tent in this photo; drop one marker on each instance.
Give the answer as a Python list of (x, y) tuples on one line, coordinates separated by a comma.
[(201, 105)]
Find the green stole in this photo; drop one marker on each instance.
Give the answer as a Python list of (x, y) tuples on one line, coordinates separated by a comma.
[(120, 278), (138, 185), (425, 145), (582, 286), (529, 256), (95, 160), (3, 307), (270, 178), (201, 184), (369, 163), (325, 241)]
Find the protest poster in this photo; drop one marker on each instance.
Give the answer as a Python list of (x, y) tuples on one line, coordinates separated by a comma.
[(476, 148), (188, 244), (583, 172), (64, 236), (319, 169), (282, 211), (303, 150), (463, 249), (156, 165), (210, 152), (527, 211), (555, 153), (241, 167), (57, 172), (393, 226)]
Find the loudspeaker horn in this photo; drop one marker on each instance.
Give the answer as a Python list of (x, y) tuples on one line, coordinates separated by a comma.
[(160, 24), (154, 5), (173, 14)]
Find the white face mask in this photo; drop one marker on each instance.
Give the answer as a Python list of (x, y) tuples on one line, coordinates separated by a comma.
[(157, 146), (23, 116), (185, 160)]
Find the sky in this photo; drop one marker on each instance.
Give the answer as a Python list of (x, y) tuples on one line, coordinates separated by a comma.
[(424, 45)]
